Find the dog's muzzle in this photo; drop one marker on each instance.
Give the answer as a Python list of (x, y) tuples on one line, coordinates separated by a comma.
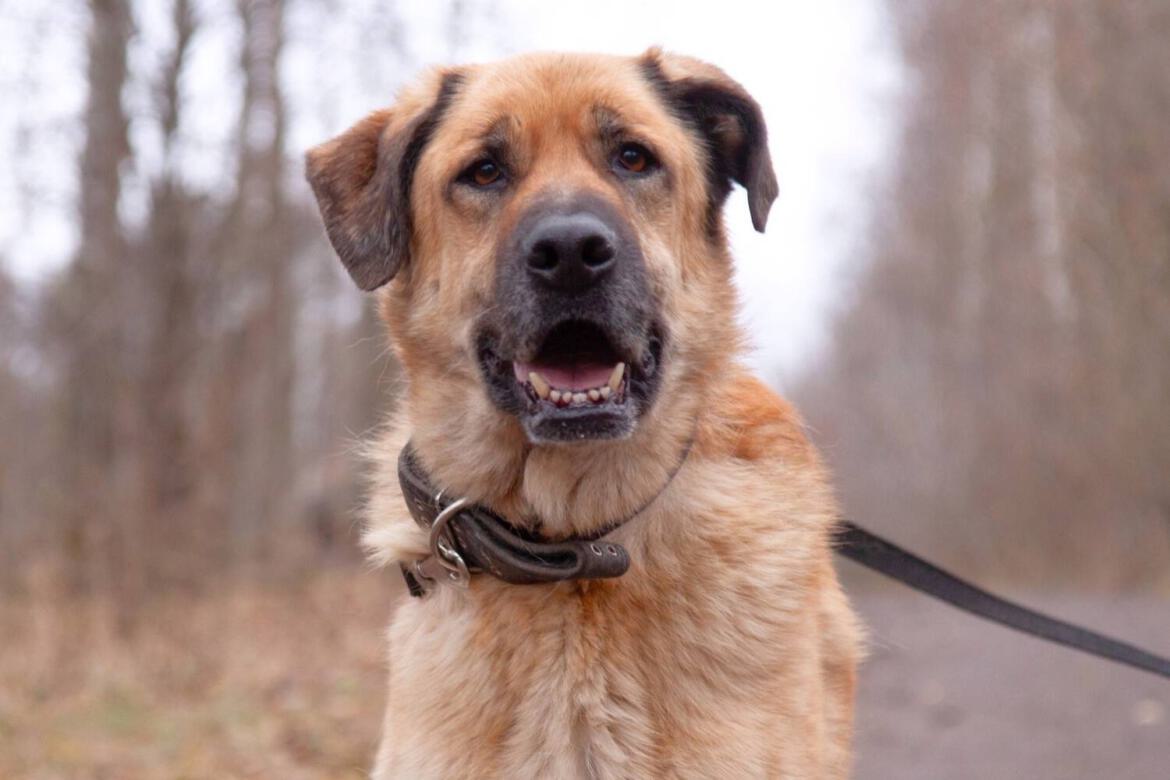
[(573, 346)]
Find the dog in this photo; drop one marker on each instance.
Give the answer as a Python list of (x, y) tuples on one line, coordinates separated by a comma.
[(546, 238)]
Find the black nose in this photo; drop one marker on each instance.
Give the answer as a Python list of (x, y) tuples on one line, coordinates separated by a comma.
[(570, 252)]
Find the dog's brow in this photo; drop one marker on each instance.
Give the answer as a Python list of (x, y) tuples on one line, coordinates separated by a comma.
[(609, 122), (497, 135), (495, 139)]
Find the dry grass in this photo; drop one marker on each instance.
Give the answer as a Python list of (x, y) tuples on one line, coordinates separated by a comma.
[(242, 682), (288, 682)]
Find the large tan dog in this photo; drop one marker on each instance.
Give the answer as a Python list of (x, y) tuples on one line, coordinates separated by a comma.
[(546, 234)]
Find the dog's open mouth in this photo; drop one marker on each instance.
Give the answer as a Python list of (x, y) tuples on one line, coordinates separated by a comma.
[(575, 367), (582, 382)]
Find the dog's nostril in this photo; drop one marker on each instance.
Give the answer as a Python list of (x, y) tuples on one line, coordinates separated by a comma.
[(596, 251), (543, 256)]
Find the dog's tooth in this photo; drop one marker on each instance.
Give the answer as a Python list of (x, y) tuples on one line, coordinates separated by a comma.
[(615, 379), (554, 396), (579, 398), (604, 391), (595, 395), (566, 398), (538, 384)]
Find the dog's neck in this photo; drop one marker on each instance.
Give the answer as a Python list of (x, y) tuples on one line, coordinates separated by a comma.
[(558, 490)]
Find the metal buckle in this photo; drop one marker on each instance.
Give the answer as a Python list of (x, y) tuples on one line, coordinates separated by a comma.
[(443, 546)]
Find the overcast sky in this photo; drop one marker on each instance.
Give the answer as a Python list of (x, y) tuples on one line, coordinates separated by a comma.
[(825, 73)]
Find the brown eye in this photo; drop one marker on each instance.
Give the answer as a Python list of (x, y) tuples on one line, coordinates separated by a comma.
[(485, 172), (634, 158)]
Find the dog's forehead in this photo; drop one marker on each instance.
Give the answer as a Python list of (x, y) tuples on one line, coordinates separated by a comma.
[(556, 93)]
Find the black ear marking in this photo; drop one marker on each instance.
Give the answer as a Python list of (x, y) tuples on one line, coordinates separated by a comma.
[(731, 126), (362, 181)]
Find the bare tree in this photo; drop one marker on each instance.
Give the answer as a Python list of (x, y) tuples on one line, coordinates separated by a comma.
[(89, 310), (997, 388), (186, 393)]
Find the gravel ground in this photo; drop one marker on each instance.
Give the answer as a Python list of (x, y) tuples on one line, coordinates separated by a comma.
[(947, 695)]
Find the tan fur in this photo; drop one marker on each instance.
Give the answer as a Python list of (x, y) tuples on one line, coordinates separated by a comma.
[(728, 649)]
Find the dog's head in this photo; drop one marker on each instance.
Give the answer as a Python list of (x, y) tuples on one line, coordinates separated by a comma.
[(548, 232)]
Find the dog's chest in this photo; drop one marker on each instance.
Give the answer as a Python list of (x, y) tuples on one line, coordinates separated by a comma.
[(584, 681)]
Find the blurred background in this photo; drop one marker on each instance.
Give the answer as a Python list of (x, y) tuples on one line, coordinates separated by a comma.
[(965, 287)]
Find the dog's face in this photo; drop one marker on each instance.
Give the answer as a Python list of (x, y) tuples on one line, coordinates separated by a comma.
[(548, 230)]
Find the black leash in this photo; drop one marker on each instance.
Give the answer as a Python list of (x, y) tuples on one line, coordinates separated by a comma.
[(876, 553)]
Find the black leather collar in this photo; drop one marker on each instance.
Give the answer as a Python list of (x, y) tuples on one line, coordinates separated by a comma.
[(467, 538)]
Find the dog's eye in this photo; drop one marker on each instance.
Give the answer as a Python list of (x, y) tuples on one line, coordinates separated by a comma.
[(482, 173), (635, 158)]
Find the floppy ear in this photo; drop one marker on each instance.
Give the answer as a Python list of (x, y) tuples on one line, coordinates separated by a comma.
[(362, 180), (730, 122)]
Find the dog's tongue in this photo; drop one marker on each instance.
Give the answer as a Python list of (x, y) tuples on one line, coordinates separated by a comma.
[(566, 376)]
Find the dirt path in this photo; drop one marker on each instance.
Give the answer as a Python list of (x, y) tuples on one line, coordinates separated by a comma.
[(945, 695)]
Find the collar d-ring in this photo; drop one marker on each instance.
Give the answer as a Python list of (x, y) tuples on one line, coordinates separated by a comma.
[(442, 544)]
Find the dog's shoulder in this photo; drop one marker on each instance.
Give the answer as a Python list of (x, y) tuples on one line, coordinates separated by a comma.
[(752, 423)]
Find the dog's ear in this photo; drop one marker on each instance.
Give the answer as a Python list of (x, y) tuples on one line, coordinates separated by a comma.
[(362, 181), (729, 121)]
